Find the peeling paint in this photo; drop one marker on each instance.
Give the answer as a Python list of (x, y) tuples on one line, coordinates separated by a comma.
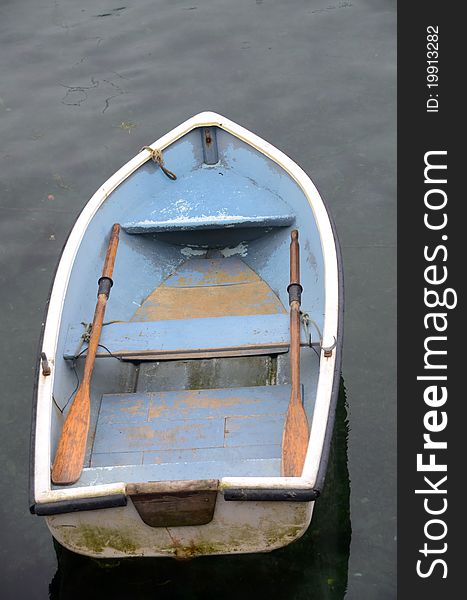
[(241, 249), (189, 251)]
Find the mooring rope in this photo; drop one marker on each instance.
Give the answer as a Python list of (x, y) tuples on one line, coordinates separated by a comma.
[(156, 156)]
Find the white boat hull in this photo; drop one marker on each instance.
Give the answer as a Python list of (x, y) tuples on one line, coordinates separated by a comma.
[(237, 527)]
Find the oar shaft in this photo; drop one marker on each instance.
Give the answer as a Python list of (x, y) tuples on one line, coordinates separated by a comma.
[(295, 349), (105, 284), (295, 291)]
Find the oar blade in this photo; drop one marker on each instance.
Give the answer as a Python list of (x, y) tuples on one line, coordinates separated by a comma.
[(69, 457), (294, 440)]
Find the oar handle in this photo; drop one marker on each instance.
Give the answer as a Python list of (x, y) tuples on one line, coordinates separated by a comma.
[(105, 282), (294, 258), (111, 251), (294, 288)]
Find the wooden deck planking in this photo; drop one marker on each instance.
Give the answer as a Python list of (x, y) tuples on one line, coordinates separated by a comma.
[(226, 428), (163, 434), (249, 431)]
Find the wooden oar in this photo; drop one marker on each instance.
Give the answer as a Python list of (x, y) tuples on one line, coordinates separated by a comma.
[(296, 434), (69, 457)]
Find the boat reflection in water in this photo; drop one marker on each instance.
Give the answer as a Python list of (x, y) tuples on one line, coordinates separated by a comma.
[(315, 566)]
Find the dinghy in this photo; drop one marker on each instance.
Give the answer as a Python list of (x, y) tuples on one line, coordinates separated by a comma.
[(188, 409)]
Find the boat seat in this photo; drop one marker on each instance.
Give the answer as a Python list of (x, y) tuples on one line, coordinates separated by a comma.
[(207, 308), (188, 338), (209, 198), (188, 434)]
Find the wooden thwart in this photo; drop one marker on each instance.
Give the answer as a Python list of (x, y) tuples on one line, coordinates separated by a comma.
[(190, 338)]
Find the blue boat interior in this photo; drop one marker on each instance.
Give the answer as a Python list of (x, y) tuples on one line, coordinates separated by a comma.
[(191, 379)]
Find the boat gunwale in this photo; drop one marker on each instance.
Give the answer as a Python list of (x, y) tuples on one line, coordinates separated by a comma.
[(329, 370)]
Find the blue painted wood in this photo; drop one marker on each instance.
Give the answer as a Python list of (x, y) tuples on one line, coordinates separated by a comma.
[(141, 407), (231, 454), (130, 409), (245, 334), (252, 430), (192, 455), (267, 467), (212, 197), (162, 434), (116, 459), (205, 272), (215, 431)]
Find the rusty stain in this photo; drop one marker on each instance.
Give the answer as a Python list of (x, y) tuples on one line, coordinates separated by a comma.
[(215, 301), (214, 288), (155, 456), (136, 408), (193, 400), (215, 271), (214, 277), (173, 436)]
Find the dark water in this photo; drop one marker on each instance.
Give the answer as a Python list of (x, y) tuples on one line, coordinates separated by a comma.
[(83, 85)]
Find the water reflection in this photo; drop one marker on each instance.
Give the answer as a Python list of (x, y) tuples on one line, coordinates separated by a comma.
[(313, 567)]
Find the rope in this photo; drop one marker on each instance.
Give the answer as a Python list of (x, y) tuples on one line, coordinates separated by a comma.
[(156, 156), (86, 335)]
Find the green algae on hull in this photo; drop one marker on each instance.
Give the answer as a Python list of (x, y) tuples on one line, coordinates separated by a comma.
[(96, 539)]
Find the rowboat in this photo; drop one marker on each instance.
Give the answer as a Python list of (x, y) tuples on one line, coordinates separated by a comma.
[(196, 416)]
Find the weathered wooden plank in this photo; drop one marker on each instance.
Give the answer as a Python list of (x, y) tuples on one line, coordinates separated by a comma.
[(193, 470), (140, 407), (210, 288), (252, 298), (193, 202), (244, 431), (218, 432), (168, 487), (116, 459), (202, 272), (197, 404), (230, 454), (161, 434), (124, 408), (190, 337)]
